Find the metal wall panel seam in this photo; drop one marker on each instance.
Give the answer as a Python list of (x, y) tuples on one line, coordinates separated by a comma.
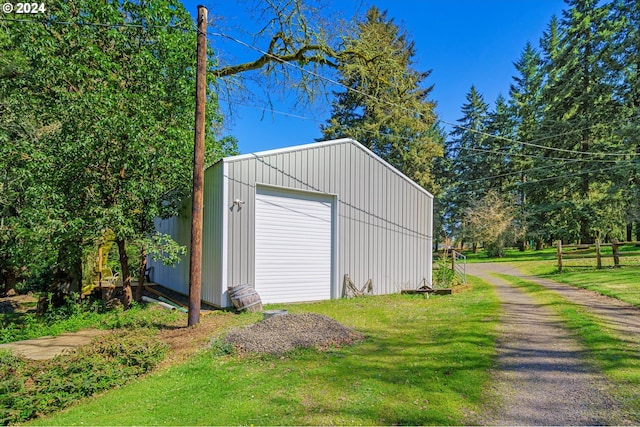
[(335, 288), (224, 277)]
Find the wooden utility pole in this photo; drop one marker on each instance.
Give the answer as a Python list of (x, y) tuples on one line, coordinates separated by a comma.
[(195, 258)]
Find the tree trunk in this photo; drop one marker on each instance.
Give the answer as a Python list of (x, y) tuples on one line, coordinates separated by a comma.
[(126, 276), (143, 269), (523, 245), (10, 279), (75, 276), (67, 279)]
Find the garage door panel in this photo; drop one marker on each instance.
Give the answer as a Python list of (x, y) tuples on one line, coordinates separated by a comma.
[(293, 246)]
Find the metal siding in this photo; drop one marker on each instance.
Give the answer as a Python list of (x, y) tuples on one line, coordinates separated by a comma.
[(250, 225), (174, 277), (383, 233), (177, 278), (246, 251), (212, 236), (225, 214)]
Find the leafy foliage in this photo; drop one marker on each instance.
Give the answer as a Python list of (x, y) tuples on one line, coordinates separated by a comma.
[(30, 389), (388, 109), (565, 143), (104, 94), (492, 221)]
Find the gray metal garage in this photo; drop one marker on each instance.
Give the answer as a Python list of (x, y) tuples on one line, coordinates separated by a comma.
[(292, 222)]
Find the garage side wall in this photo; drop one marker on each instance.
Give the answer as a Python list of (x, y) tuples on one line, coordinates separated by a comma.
[(213, 236), (384, 225), (179, 228), (177, 278)]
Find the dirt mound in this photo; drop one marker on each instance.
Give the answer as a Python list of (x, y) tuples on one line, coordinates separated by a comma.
[(280, 334)]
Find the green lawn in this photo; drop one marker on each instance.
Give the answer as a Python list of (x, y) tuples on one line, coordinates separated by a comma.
[(424, 362), (622, 283), (512, 255)]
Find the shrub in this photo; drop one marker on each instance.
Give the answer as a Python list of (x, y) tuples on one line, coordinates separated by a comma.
[(33, 388)]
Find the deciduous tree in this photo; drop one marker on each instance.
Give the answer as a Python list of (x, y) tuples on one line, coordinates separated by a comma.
[(115, 80)]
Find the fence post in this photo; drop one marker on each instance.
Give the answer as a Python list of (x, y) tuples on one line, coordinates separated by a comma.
[(615, 246), (453, 262), (559, 246)]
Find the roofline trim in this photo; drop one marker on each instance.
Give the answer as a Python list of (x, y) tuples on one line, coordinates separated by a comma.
[(322, 144)]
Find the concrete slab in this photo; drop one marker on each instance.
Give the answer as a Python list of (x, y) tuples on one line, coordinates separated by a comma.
[(50, 347)]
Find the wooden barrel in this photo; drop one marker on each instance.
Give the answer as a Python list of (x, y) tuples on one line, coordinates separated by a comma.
[(245, 298)]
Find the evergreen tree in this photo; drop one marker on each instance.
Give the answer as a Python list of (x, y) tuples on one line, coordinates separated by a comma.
[(387, 107), (579, 106), (625, 49), (527, 111), (496, 158), (464, 149)]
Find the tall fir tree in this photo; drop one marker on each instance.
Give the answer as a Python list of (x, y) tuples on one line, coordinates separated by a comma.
[(387, 107), (527, 109), (579, 107), (464, 149), (625, 50), (496, 158)]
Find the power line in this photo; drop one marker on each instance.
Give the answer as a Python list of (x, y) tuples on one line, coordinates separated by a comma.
[(525, 171), (334, 82), (337, 83), (503, 175), (545, 147), (537, 156), (270, 110), (551, 178)]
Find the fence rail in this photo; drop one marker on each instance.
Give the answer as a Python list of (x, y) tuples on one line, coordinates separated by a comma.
[(459, 265), (451, 265), (589, 252)]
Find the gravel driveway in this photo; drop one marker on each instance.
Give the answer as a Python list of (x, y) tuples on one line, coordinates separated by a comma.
[(541, 377)]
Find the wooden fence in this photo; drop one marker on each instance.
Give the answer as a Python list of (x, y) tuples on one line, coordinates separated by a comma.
[(609, 254)]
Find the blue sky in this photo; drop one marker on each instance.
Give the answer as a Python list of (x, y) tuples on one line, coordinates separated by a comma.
[(463, 42)]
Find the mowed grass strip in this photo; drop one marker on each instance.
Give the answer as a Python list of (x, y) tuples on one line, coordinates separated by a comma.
[(424, 361), (620, 283), (615, 356)]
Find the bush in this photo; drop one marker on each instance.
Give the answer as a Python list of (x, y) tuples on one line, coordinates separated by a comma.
[(29, 389)]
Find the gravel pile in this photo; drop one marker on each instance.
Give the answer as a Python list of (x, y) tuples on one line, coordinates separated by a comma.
[(280, 334)]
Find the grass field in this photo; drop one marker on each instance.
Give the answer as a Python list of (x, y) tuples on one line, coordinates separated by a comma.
[(622, 283), (424, 362)]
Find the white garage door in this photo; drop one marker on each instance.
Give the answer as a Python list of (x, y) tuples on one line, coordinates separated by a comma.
[(293, 246)]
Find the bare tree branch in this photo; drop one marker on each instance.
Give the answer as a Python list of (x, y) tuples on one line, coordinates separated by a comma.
[(320, 56)]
